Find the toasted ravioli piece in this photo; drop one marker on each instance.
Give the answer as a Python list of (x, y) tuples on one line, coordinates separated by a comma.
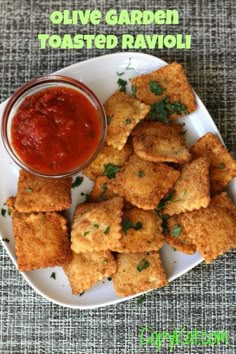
[(124, 113), (138, 272), (86, 269), (108, 155), (177, 236), (41, 240), (42, 194), (143, 183), (156, 141), (222, 164), (97, 226), (100, 192), (142, 232), (172, 83), (192, 189), (212, 230)]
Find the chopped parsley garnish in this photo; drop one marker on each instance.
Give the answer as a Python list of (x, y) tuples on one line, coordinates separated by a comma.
[(101, 196), (120, 74), (77, 182), (3, 212), (183, 132), (107, 230), (109, 278), (96, 225), (9, 212), (168, 198), (108, 120), (104, 187), (127, 224), (156, 88), (5, 240), (53, 275), (82, 293), (141, 300), (176, 231), (111, 170), (133, 90), (122, 84), (143, 264), (222, 166), (127, 121), (163, 109), (164, 224), (129, 67), (86, 233), (29, 190), (140, 173)]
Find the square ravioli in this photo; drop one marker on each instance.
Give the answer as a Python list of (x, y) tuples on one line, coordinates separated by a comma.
[(86, 269), (143, 183), (168, 85), (100, 192), (141, 231), (213, 229), (138, 272), (108, 156), (123, 112), (42, 194), (222, 164), (41, 240), (192, 189), (160, 142), (177, 237), (97, 226)]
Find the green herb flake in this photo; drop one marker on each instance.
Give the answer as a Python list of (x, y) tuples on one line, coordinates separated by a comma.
[(109, 278), (82, 293), (156, 88), (53, 275), (138, 226), (140, 173), (126, 224), (105, 261), (107, 230), (120, 74), (129, 67), (164, 224), (183, 132), (96, 226), (122, 84), (133, 90), (108, 120), (143, 264), (3, 212), (104, 187), (141, 300), (111, 170), (222, 166), (163, 109), (86, 233), (6, 240), (29, 190), (127, 121), (77, 182), (176, 231), (9, 212)]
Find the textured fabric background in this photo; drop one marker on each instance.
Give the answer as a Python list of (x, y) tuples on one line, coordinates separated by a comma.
[(202, 299)]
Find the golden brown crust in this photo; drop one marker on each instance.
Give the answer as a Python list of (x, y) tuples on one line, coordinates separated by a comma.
[(124, 112), (173, 79), (159, 142), (148, 237), (42, 194), (97, 226), (41, 240), (86, 269), (129, 281), (145, 190), (222, 164), (100, 191), (106, 156), (192, 189)]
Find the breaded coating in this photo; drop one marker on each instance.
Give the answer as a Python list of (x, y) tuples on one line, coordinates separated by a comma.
[(222, 164), (159, 142), (108, 155), (213, 229), (42, 194), (41, 240), (192, 189), (222, 200), (143, 183), (138, 272), (11, 204), (178, 237), (124, 113), (100, 191), (172, 83), (97, 226), (86, 269), (142, 232)]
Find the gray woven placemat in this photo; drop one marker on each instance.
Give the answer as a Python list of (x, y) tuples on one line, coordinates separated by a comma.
[(202, 299)]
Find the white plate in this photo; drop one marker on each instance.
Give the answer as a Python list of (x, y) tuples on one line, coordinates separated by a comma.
[(100, 74)]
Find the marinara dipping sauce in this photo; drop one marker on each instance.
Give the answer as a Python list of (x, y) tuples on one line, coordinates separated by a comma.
[(57, 130)]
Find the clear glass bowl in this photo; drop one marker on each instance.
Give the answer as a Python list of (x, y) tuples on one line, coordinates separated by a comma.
[(34, 87)]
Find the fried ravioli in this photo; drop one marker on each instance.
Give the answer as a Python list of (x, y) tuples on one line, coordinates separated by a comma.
[(141, 232), (222, 164), (143, 183), (124, 113), (138, 272), (108, 155), (159, 142), (86, 269), (100, 192), (97, 226), (169, 82), (41, 240), (213, 229), (192, 189), (42, 194)]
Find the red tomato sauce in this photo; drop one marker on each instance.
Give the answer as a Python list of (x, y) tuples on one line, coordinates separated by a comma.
[(55, 130)]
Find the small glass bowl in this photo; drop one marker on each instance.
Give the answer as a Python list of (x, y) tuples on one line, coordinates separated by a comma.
[(33, 87)]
